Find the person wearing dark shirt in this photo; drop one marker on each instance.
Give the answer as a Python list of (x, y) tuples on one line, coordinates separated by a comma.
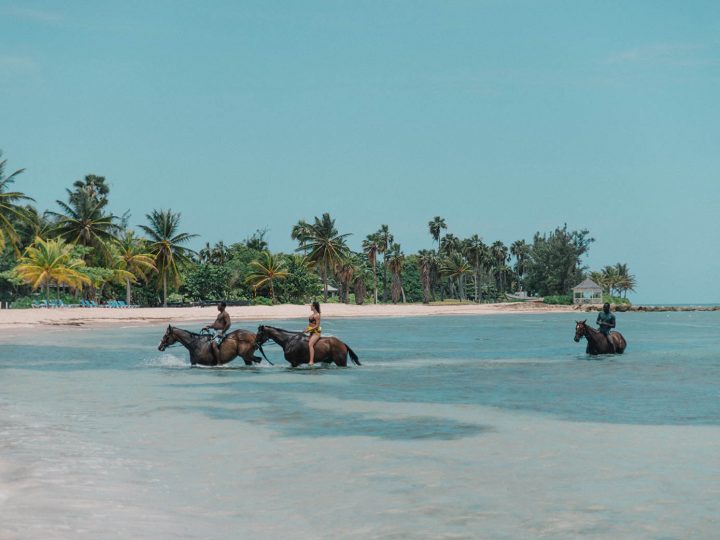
[(606, 321)]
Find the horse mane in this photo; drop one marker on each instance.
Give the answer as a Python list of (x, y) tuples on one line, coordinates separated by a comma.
[(196, 334), (283, 330)]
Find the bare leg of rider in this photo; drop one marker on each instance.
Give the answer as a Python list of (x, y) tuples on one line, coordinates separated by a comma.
[(311, 346)]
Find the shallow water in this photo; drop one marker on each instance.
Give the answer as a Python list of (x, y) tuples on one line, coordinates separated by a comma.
[(454, 427)]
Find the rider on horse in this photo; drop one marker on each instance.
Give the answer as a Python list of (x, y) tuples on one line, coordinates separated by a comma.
[(221, 325), (606, 320)]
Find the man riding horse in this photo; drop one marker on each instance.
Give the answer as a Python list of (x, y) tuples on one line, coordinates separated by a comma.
[(606, 321), (221, 325)]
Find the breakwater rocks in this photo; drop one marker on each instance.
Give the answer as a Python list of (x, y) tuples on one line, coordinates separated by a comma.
[(649, 309)]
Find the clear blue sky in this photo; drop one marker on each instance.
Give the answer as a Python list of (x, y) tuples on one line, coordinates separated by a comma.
[(503, 117)]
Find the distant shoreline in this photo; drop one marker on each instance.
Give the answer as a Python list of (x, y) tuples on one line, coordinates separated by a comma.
[(655, 308), (97, 317), (89, 317)]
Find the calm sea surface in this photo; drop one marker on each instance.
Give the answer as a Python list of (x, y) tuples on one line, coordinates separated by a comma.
[(454, 427)]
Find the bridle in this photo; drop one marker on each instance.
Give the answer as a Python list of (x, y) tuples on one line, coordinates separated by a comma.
[(581, 330)]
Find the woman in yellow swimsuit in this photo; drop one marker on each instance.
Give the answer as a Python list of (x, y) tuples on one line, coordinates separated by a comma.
[(313, 329)]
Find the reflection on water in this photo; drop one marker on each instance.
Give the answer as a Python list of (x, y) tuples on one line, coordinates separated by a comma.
[(453, 425)]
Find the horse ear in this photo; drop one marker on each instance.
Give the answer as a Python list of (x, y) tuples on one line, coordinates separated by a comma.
[(585, 321)]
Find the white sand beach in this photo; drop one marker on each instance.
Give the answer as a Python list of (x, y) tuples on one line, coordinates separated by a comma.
[(28, 318)]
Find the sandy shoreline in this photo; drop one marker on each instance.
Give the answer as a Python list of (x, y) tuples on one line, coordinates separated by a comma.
[(87, 317)]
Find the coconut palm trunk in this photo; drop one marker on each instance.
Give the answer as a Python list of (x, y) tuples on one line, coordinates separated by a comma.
[(128, 292), (385, 287), (324, 272), (165, 289)]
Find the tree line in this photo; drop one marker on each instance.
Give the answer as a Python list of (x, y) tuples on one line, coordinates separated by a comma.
[(82, 250)]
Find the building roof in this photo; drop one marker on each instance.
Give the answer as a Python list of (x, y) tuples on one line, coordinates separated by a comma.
[(587, 285)]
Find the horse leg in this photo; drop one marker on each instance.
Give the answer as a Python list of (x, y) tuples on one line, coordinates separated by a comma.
[(618, 343), (610, 343), (341, 358), (246, 353)]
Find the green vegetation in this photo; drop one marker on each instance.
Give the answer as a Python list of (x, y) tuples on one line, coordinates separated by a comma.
[(85, 252), (559, 299)]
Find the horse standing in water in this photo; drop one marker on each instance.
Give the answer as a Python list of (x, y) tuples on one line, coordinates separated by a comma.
[(597, 342), (238, 343), (295, 347)]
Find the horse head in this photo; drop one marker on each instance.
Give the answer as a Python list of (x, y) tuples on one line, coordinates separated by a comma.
[(580, 329), (168, 339), (261, 337)]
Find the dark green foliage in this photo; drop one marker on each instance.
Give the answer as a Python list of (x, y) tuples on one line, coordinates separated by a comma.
[(11, 288), (206, 282), (562, 299), (411, 279), (261, 301), (554, 263), (301, 285)]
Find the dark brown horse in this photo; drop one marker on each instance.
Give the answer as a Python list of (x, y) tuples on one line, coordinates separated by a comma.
[(597, 342), (238, 343), (295, 347)]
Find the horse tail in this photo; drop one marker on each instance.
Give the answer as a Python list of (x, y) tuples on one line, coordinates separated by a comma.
[(353, 356)]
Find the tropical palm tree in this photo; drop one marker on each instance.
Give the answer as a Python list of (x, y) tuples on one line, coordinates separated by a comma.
[(51, 261), (83, 222), (344, 272), (396, 259), (384, 241), (499, 256), (427, 261), (322, 243), (449, 245), (93, 188), (476, 251), (521, 250), (265, 271), (166, 244), (599, 278), (136, 259), (32, 225), (257, 240), (370, 247), (456, 267), (436, 225), (220, 253), (626, 281), (361, 275), (10, 212), (205, 254)]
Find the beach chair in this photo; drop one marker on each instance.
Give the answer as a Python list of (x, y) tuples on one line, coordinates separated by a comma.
[(121, 304)]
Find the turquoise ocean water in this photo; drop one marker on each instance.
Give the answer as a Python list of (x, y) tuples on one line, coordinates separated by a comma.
[(454, 427)]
